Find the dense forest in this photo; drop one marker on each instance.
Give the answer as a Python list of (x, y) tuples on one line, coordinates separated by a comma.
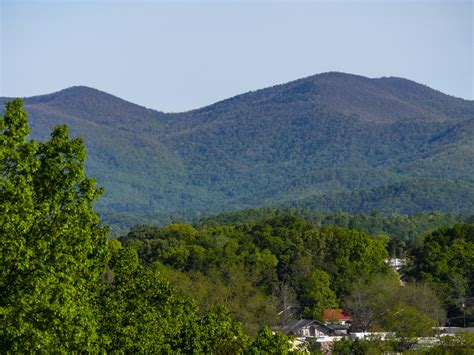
[(286, 259), (330, 142), (215, 286), (404, 228), (65, 288)]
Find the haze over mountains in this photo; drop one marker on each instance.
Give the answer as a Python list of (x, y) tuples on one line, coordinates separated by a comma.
[(329, 141)]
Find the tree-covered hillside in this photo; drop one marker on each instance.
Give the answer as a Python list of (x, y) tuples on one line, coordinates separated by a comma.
[(406, 198), (334, 141)]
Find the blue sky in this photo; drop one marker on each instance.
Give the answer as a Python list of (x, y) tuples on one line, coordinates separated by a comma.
[(176, 56)]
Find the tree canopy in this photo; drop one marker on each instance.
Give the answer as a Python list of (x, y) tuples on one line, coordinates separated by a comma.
[(64, 287), (52, 248)]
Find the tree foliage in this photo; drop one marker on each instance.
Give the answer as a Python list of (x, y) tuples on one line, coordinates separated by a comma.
[(445, 259), (263, 271), (52, 248), (64, 288), (461, 343), (317, 295), (409, 311)]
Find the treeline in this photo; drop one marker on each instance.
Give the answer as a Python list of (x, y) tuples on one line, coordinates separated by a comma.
[(398, 226), (371, 211)]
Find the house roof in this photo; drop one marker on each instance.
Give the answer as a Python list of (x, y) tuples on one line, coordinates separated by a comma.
[(337, 314), (293, 326), (453, 330)]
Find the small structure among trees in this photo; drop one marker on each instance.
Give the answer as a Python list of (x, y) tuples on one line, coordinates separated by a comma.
[(337, 315), (310, 328)]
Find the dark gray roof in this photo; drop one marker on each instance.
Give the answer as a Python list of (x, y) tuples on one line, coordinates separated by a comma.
[(294, 325), (452, 330)]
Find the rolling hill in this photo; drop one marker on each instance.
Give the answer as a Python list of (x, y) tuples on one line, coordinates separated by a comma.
[(329, 141)]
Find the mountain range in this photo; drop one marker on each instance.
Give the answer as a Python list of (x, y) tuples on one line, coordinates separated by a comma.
[(329, 141)]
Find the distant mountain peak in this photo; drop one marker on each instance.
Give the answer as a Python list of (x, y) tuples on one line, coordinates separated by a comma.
[(74, 92), (87, 99)]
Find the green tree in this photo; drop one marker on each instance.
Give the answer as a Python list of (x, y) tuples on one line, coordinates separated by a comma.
[(351, 255), (372, 345), (217, 333), (458, 344), (52, 249), (317, 294), (408, 324), (268, 342), (445, 260), (372, 303), (140, 311)]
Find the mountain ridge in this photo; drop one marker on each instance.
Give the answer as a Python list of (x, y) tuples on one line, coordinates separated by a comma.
[(323, 74), (324, 134)]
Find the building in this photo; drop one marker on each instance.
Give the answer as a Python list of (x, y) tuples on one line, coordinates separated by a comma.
[(395, 263), (311, 328), (337, 316)]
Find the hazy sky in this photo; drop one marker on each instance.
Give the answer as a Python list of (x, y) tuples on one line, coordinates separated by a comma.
[(175, 56)]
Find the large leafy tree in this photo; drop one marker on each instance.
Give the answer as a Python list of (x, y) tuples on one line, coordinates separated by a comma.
[(409, 311), (446, 261), (140, 311), (52, 249), (268, 342), (408, 325), (317, 295), (350, 255), (447, 258)]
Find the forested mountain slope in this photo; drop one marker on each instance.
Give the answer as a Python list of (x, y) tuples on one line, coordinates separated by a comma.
[(320, 138), (406, 197)]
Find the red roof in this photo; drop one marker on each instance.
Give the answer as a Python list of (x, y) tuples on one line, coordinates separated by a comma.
[(338, 314)]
